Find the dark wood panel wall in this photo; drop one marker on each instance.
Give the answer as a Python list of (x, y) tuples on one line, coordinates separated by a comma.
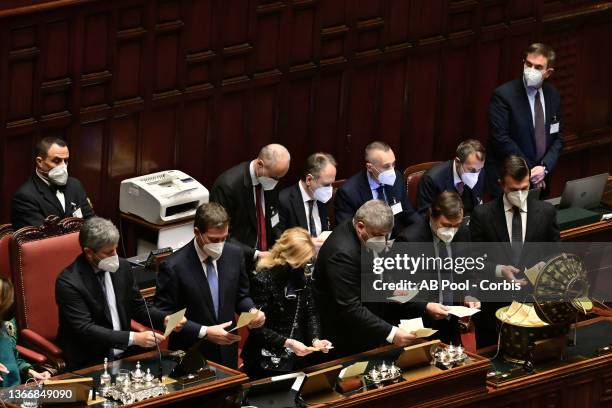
[(138, 86)]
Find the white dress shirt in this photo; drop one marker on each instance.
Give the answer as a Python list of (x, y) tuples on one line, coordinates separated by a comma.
[(509, 213), (531, 97), (315, 210)]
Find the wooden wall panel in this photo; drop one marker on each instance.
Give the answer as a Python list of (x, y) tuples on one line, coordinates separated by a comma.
[(144, 85)]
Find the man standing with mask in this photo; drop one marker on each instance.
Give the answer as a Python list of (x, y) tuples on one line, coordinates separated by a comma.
[(443, 229), (512, 219), (207, 276), (249, 195), (49, 191), (303, 204), (350, 324), (525, 119), (97, 298), (380, 181), (463, 175)]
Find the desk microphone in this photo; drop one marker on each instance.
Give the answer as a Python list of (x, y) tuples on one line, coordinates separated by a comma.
[(160, 372)]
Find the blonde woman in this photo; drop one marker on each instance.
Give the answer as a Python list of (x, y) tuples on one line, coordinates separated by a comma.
[(281, 289)]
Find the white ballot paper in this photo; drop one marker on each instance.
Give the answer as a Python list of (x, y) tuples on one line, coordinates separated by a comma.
[(404, 296), (353, 370), (244, 319), (462, 311), (173, 320), (415, 326)]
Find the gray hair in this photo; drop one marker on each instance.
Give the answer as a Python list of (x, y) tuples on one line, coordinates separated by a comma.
[(273, 153), (97, 232), (375, 214)]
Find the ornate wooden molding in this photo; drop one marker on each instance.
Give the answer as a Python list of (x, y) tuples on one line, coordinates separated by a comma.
[(52, 227)]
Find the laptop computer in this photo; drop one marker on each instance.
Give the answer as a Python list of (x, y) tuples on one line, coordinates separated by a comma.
[(582, 193)]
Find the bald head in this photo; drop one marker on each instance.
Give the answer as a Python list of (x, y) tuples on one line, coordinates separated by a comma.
[(273, 161)]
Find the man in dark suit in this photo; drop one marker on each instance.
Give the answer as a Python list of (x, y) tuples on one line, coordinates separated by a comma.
[(351, 325), (379, 180), (444, 229), (97, 297), (248, 194), (525, 119), (49, 191), (464, 175), (303, 204), (512, 219), (207, 276)]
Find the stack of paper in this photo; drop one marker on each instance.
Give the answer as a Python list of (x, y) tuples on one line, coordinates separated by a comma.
[(522, 314)]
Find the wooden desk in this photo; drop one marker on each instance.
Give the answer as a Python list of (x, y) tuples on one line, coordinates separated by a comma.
[(223, 391)]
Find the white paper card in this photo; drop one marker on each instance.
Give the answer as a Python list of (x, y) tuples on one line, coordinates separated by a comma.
[(353, 370), (554, 127), (324, 235), (78, 213), (462, 311), (274, 220), (396, 208), (173, 320), (404, 296)]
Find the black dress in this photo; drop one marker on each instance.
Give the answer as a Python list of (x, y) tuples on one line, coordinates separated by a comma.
[(285, 297)]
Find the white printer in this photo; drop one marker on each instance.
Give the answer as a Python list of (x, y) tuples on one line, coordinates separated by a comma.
[(163, 197)]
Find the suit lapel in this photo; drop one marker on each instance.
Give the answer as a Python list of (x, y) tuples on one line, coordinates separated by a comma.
[(249, 200), (499, 221), (197, 271), (526, 107), (548, 114), (47, 194), (532, 215), (119, 285), (223, 286), (323, 216), (92, 283), (298, 206)]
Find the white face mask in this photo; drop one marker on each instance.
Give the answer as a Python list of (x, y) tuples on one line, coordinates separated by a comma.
[(378, 245), (58, 175), (470, 179), (446, 234), (533, 77), (517, 198), (267, 183), (109, 264), (323, 194), (387, 177), (214, 249)]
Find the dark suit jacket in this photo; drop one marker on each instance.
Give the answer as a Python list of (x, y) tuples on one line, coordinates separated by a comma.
[(356, 191), (352, 326), (233, 189), (292, 212), (34, 201), (86, 332), (181, 283), (488, 224), (440, 178), (511, 130)]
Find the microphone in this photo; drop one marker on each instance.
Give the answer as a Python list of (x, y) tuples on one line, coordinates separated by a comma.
[(159, 354)]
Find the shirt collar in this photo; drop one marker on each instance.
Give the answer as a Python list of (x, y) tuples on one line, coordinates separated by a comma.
[(254, 180), (456, 178), (531, 91), (508, 205), (374, 184), (305, 196), (201, 254)]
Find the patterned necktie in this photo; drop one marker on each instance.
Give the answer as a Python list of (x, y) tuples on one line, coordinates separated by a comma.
[(213, 284), (380, 193), (311, 220), (539, 127), (459, 187)]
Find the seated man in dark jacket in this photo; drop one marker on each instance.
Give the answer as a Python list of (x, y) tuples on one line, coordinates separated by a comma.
[(49, 191), (380, 180), (97, 297)]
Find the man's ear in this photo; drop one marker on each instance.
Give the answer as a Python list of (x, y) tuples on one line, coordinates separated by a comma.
[(549, 72)]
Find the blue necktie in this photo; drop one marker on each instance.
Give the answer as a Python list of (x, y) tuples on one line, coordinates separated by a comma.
[(380, 192), (213, 284)]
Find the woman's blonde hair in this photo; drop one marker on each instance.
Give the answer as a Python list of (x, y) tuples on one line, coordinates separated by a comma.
[(294, 248)]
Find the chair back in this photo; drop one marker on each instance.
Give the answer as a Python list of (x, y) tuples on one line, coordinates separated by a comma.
[(412, 176), (38, 255), (6, 234)]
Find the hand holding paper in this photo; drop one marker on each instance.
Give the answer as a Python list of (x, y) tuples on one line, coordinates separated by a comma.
[(175, 321), (415, 326)]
